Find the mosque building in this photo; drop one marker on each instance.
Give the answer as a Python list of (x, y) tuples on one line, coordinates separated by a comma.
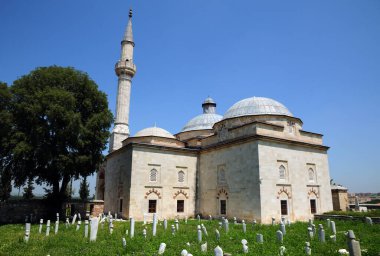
[(253, 162)]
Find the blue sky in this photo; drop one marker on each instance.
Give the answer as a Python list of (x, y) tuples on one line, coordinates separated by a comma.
[(321, 59)]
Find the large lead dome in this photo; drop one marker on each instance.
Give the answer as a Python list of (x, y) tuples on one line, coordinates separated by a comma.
[(257, 106)]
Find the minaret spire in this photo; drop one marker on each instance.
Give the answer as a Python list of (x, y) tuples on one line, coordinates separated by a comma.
[(125, 69)]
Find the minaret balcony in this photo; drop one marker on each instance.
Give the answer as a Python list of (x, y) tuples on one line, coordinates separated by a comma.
[(125, 67)]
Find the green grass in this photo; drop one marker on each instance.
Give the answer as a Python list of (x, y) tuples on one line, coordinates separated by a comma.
[(371, 213), (71, 242)]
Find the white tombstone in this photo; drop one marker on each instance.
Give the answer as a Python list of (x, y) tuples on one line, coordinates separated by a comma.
[(210, 218), (144, 233), (310, 232), (333, 228), (173, 230), (94, 228), (244, 242), (245, 248), (204, 247), (155, 224), (217, 235), (161, 250), (184, 252), (144, 215), (57, 216), (369, 221), (27, 232), (353, 245), (40, 228), (79, 216), (199, 232), (67, 224), (165, 224), (185, 219), (328, 223), (226, 228), (48, 228), (244, 226), (176, 224), (74, 219), (280, 236), (307, 248), (273, 221), (282, 250), (124, 243), (86, 228), (235, 221), (260, 238), (199, 218), (218, 251), (132, 227), (78, 225), (282, 228), (56, 227), (204, 229), (115, 216)]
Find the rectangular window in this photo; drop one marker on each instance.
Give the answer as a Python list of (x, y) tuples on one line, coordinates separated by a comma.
[(152, 206), (180, 205), (313, 206), (223, 208), (121, 205), (284, 207)]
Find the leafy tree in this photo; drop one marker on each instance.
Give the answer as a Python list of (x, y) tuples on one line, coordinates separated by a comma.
[(5, 132), (84, 191), (28, 190), (61, 123)]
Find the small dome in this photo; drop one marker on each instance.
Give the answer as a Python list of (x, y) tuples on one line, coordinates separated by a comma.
[(154, 131), (209, 100), (202, 122), (257, 106)]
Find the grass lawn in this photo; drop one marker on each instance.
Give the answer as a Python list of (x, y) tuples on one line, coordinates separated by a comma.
[(71, 242)]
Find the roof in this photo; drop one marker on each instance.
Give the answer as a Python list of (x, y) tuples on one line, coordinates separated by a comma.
[(154, 131), (202, 122)]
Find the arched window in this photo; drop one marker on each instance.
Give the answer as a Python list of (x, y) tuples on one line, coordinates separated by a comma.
[(282, 172), (181, 176), (311, 175), (153, 175)]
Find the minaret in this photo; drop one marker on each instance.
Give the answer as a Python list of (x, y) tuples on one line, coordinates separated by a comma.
[(125, 69)]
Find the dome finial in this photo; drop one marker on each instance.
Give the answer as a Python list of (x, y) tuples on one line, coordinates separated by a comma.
[(130, 12)]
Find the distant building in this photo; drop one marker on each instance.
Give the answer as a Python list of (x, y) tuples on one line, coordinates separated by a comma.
[(254, 162), (339, 198)]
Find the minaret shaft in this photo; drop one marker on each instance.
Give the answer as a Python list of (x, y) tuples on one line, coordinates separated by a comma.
[(125, 69)]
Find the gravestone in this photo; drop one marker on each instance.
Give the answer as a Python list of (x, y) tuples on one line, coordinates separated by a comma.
[(94, 228), (184, 252), (353, 245), (40, 228), (115, 216), (161, 250), (165, 224), (259, 238), (235, 221), (210, 218), (111, 228), (310, 222), (333, 238), (273, 221), (144, 233), (185, 219), (244, 226), (307, 248), (199, 218), (132, 220), (321, 234), (204, 229), (369, 221), (245, 248), (313, 228), (144, 218), (204, 247), (155, 224), (199, 232), (283, 220), (282, 250), (48, 228), (220, 224), (328, 223), (310, 233), (254, 224), (280, 236), (176, 224), (124, 243), (226, 225), (282, 228), (27, 232), (67, 224), (218, 251), (333, 228), (86, 228), (57, 216), (78, 225), (217, 235), (173, 230), (79, 217), (56, 227), (289, 222), (74, 219)]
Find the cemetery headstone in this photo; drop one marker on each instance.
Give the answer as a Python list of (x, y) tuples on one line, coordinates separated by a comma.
[(310, 222), (283, 220), (307, 248), (94, 228), (124, 243), (86, 228), (67, 224), (144, 233), (78, 225), (273, 221), (111, 228), (288, 222), (280, 236), (56, 227), (328, 223), (184, 252), (226, 228), (199, 218), (282, 250), (199, 232), (244, 226), (259, 238), (40, 228), (333, 238), (321, 235), (165, 224), (369, 221), (48, 228), (173, 230), (204, 247), (282, 228), (74, 219), (353, 245), (132, 227), (185, 219), (217, 235), (161, 250), (155, 224), (245, 248), (79, 217), (176, 224), (333, 228), (218, 251), (210, 218), (204, 229), (27, 232), (235, 221), (310, 233)]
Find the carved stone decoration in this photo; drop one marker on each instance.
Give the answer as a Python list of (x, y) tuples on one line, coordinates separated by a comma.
[(313, 191), (155, 191), (222, 191), (180, 192), (284, 190)]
